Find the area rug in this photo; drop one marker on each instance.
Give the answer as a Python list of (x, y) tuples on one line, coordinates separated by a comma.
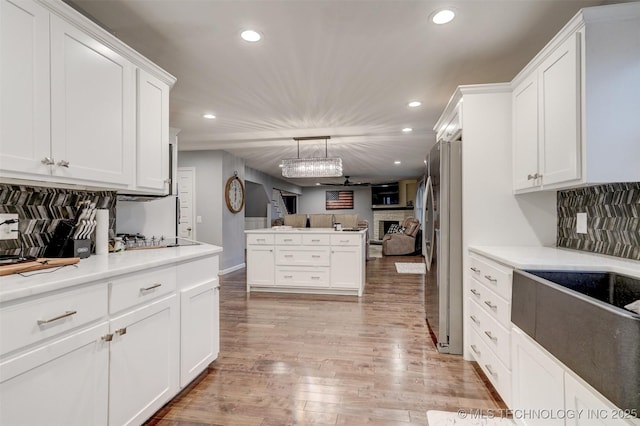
[(411, 268), (466, 418)]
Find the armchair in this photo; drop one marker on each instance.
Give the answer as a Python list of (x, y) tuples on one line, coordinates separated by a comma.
[(394, 244)]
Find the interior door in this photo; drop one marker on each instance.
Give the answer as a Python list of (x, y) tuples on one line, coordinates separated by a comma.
[(187, 206)]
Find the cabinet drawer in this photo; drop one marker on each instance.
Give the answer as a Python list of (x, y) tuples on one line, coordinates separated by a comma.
[(346, 239), (497, 308), (496, 337), (25, 323), (260, 239), (131, 290), (496, 372), (197, 271), (496, 277), (300, 256), (303, 277), (288, 239), (315, 240)]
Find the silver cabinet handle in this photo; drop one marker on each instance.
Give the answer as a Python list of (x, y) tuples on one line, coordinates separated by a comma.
[(288, 255), (475, 292), (490, 370), (490, 278), (490, 305), (143, 289), (56, 318), (476, 270), (121, 331), (344, 241), (63, 163), (288, 239), (315, 278), (474, 319), (532, 177), (261, 239), (288, 276), (315, 255), (107, 337), (315, 241), (47, 161), (475, 349), (167, 181), (491, 336)]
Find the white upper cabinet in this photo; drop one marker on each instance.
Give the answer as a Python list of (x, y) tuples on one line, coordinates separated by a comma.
[(68, 103), (24, 87), (573, 120), (152, 156), (92, 107)]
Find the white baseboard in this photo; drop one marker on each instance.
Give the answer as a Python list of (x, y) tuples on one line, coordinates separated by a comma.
[(232, 269)]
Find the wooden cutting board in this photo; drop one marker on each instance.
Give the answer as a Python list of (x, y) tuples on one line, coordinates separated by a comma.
[(35, 265)]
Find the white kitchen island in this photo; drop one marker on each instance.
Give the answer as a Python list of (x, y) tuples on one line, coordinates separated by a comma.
[(306, 260)]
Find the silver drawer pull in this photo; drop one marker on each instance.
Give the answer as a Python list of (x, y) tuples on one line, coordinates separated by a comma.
[(490, 305), (490, 370), (121, 331), (288, 239), (288, 255), (475, 349), (288, 276), (315, 241), (63, 163), (107, 337), (476, 270), (493, 338), (490, 278), (143, 289), (58, 317), (474, 319), (315, 255), (47, 161), (344, 241), (475, 292), (315, 278), (260, 239)]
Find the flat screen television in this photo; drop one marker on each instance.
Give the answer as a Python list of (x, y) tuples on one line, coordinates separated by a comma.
[(383, 195)]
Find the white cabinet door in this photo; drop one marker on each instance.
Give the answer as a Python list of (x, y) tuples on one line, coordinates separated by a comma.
[(592, 408), (144, 361), (560, 111), (537, 380), (260, 266), (199, 329), (24, 87), (152, 162), (92, 106), (345, 267), (60, 383), (525, 134)]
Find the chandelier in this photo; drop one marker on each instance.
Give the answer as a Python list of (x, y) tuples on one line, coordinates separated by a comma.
[(313, 166)]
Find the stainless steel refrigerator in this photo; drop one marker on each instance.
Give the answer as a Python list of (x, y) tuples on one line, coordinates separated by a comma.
[(442, 246)]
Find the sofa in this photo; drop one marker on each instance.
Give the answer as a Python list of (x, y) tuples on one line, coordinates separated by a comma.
[(405, 242)]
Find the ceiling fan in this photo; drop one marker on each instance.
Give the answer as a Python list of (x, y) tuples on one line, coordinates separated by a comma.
[(346, 182)]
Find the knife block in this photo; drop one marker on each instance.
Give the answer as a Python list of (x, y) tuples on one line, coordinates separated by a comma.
[(78, 248)]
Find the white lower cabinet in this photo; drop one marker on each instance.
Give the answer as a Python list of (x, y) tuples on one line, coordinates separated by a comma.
[(199, 329), (343, 274), (67, 380), (143, 372), (262, 259)]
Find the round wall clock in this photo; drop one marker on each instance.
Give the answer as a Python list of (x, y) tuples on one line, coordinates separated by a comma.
[(234, 194)]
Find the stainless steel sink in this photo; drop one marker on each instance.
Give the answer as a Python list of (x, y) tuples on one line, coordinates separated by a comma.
[(579, 317)]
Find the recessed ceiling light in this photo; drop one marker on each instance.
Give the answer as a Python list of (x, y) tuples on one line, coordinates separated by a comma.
[(443, 16), (414, 104), (209, 116), (250, 36), (407, 130), (397, 162)]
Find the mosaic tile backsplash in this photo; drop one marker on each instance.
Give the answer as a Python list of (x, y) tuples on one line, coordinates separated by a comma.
[(613, 219), (40, 209)]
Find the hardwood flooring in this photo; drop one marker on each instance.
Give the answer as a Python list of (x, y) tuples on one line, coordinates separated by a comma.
[(328, 360)]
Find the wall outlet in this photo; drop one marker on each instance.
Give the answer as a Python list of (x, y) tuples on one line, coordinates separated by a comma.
[(581, 223), (8, 231), (198, 219)]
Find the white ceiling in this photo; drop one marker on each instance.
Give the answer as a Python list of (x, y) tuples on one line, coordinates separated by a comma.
[(346, 69)]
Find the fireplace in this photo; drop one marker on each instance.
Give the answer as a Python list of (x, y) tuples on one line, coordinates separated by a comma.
[(384, 226)]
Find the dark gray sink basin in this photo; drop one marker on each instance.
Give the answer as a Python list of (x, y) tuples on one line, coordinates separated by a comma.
[(579, 318)]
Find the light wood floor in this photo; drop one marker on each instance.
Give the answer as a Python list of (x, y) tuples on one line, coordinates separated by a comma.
[(328, 360)]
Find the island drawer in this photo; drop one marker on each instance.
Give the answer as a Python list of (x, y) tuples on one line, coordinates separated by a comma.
[(493, 275), (260, 239), (133, 289), (288, 239), (346, 239), (301, 256), (496, 372), (316, 240), (303, 277), (22, 324), (496, 337)]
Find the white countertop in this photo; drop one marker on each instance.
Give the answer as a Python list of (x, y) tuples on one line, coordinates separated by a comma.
[(97, 267), (301, 231), (524, 257)]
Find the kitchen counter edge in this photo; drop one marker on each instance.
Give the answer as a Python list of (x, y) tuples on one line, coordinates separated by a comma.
[(561, 259), (98, 267)]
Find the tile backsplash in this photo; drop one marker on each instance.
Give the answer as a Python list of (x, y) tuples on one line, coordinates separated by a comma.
[(613, 219), (40, 209)]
